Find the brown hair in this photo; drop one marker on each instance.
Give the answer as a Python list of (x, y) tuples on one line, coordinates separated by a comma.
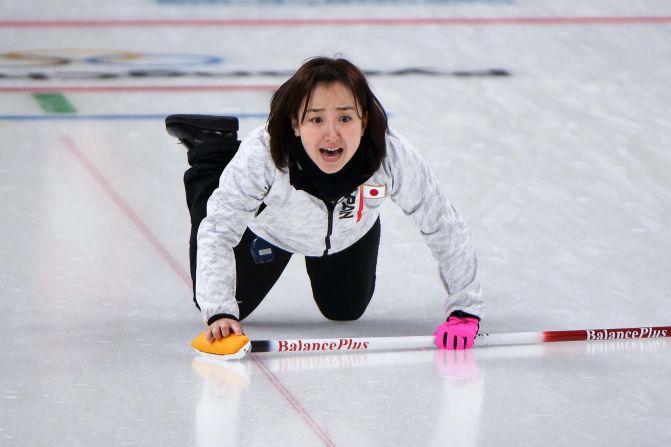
[(287, 100)]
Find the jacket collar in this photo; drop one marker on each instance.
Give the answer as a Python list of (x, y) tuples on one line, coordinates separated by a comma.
[(305, 175)]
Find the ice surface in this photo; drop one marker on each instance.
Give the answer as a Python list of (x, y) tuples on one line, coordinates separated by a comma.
[(561, 170)]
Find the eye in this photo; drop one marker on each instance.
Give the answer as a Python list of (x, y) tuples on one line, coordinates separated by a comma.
[(345, 118), (316, 120)]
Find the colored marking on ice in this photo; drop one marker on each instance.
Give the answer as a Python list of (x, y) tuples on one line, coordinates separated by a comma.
[(137, 88), (110, 117), (54, 103), (126, 209), (309, 420), (399, 21), (319, 2)]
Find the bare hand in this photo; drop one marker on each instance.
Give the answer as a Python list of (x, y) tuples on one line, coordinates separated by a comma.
[(223, 328)]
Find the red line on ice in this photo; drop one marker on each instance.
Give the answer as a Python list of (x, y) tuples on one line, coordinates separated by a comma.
[(417, 21), (294, 403), (137, 221), (136, 88), (126, 209)]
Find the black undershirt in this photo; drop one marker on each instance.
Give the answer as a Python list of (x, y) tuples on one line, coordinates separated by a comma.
[(305, 175)]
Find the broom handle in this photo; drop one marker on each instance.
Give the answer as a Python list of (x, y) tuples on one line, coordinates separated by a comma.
[(427, 341)]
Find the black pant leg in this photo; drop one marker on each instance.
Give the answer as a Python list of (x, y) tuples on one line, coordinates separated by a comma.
[(343, 283), (254, 280), (200, 180)]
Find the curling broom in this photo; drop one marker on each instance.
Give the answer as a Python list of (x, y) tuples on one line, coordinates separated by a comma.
[(237, 346)]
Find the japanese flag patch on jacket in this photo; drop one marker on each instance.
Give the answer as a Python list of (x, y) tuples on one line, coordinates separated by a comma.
[(374, 192)]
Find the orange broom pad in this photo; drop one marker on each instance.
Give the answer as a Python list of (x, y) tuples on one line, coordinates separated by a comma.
[(233, 346)]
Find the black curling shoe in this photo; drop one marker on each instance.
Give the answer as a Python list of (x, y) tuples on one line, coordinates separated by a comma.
[(201, 130)]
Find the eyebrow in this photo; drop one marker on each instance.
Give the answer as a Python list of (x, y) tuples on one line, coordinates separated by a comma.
[(321, 109)]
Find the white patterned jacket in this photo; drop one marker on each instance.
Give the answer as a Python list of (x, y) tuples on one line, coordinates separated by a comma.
[(299, 222)]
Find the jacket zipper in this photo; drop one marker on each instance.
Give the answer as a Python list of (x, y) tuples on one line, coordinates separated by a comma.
[(330, 206)]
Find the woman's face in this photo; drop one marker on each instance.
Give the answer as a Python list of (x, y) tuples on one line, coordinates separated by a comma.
[(332, 128)]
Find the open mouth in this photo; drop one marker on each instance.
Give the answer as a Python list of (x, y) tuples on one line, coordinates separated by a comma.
[(331, 154)]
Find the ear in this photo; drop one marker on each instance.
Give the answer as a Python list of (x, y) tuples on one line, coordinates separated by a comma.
[(295, 127), (364, 122)]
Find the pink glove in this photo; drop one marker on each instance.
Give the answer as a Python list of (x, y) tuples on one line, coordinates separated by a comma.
[(457, 333)]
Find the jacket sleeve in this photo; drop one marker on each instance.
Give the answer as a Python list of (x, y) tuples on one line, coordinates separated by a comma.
[(242, 188), (417, 192)]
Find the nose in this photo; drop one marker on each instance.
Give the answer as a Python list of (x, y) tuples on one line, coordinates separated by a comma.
[(331, 131)]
